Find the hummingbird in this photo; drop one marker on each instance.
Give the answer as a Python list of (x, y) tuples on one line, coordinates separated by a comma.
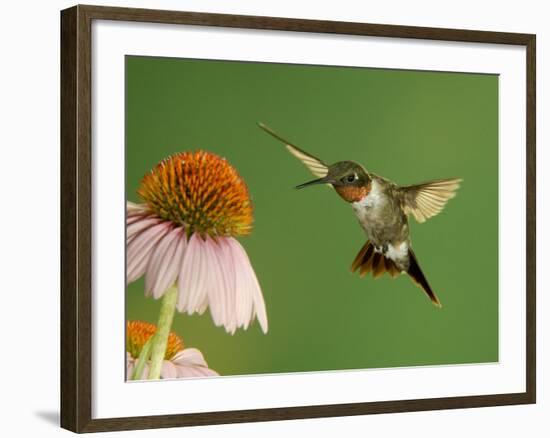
[(382, 208)]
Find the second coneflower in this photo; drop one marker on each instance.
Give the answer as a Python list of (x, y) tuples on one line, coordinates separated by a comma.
[(182, 238), (177, 361)]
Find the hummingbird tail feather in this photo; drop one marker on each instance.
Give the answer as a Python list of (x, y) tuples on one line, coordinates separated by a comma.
[(418, 277), (368, 260)]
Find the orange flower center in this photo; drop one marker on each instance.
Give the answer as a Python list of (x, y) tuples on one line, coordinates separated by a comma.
[(201, 191), (139, 332)]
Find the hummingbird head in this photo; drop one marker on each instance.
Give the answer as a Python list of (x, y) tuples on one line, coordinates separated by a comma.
[(350, 180)]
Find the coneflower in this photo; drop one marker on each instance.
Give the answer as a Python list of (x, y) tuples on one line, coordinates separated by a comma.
[(177, 362), (182, 238)]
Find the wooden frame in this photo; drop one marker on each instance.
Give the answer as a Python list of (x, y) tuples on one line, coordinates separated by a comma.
[(76, 300)]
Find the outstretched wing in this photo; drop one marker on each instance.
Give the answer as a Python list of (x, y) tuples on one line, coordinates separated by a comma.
[(314, 164), (427, 199)]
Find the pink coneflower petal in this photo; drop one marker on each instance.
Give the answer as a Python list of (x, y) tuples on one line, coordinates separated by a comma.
[(225, 262), (215, 289), (241, 298), (168, 370), (140, 249), (189, 356), (190, 363), (133, 208), (139, 225), (203, 306), (164, 264), (193, 277), (259, 302), (250, 300), (130, 219)]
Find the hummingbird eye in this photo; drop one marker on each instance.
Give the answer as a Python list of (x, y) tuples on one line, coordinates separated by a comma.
[(351, 178)]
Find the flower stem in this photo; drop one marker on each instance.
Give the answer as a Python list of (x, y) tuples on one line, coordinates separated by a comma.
[(167, 309), (142, 359)]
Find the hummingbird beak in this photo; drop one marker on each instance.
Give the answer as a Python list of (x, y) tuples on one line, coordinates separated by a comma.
[(323, 180)]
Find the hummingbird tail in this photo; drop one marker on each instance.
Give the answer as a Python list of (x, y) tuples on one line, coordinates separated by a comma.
[(418, 277), (369, 260)]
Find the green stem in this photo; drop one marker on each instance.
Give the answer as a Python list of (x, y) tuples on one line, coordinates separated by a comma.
[(137, 374), (167, 309)]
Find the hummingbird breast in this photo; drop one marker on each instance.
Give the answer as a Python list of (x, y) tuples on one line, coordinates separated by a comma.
[(380, 215)]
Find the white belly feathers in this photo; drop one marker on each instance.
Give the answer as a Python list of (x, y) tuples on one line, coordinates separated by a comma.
[(365, 208), (399, 252)]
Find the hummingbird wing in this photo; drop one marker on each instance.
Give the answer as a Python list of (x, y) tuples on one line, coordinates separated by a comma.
[(428, 199), (314, 164)]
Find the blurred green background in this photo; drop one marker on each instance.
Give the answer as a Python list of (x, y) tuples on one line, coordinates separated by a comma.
[(409, 126)]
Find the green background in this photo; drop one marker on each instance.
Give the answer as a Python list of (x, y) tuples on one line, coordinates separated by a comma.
[(408, 126)]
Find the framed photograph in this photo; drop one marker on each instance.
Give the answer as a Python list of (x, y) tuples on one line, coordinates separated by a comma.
[(240, 201)]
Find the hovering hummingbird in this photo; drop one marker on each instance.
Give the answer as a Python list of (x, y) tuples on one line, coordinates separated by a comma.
[(382, 208)]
